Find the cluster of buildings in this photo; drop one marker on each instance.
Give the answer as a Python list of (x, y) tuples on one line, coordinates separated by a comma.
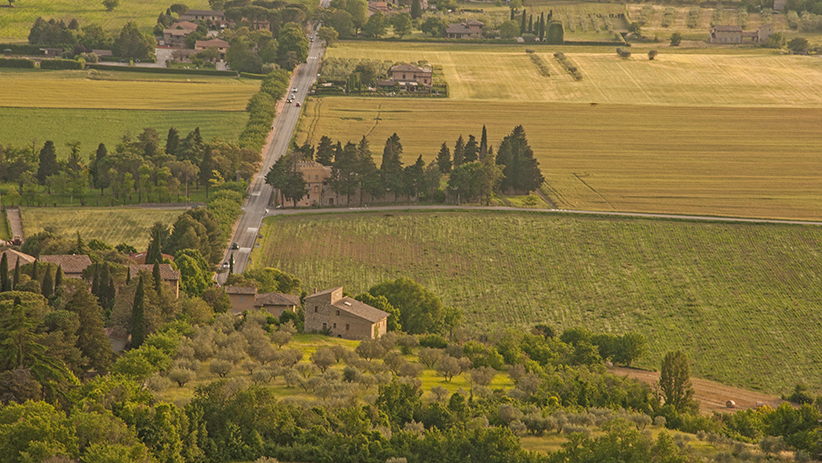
[(175, 36), (325, 311), (735, 34)]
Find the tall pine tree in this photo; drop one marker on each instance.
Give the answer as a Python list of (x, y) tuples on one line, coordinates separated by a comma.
[(172, 142), (416, 9), (92, 340), (483, 149), (325, 151), (471, 150), (520, 169), (48, 163), (138, 316), (391, 167), (459, 152)]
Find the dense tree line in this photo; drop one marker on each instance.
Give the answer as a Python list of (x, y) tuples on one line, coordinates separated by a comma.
[(129, 43), (474, 172)]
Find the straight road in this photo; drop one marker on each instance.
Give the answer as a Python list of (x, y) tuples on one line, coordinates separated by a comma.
[(260, 193)]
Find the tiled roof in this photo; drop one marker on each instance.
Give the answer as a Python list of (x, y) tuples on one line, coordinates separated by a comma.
[(361, 309), (166, 272), (407, 67), (71, 263), (211, 43), (182, 32), (140, 257), (13, 255), (276, 299), (185, 25), (327, 291), (472, 22), (240, 289)]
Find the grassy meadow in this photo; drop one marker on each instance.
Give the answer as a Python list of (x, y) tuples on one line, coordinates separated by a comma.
[(685, 160), (16, 22), (501, 73), (112, 225), (741, 300)]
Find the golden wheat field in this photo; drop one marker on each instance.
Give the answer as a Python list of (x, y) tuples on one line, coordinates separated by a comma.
[(507, 74), (752, 162)]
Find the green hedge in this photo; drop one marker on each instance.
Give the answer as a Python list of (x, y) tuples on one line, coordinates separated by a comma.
[(60, 64), (21, 63), (596, 44), (115, 59), (22, 48), (105, 67), (249, 75)]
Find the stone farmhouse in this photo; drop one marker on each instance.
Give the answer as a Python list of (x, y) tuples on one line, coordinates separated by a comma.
[(345, 317), (168, 274), (408, 74), (177, 33), (735, 34), (203, 15), (221, 45), (73, 265), (469, 29), (246, 298)]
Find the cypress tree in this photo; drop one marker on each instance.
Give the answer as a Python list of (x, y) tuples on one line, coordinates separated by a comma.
[(111, 294), (48, 163), (95, 281), (138, 317), (530, 23), (231, 265), (5, 283), (541, 26), (522, 25), (158, 277), (459, 152), (47, 288), (128, 276), (416, 9), (34, 270), (483, 150), (16, 278), (512, 14), (444, 159), (102, 285), (58, 277), (81, 245), (91, 337), (98, 179), (172, 142)]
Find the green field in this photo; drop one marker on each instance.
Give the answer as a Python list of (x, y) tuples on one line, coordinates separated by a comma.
[(93, 126), (112, 225), (16, 22), (102, 106), (742, 300), (754, 162), (507, 74)]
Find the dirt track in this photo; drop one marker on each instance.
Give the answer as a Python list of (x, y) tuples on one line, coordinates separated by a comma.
[(711, 395)]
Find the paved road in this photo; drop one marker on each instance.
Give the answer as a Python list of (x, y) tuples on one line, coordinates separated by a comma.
[(285, 123), (706, 218)]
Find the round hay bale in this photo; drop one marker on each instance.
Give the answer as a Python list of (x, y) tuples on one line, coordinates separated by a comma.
[(730, 404)]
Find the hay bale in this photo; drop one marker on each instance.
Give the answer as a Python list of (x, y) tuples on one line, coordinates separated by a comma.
[(730, 404), (760, 404)]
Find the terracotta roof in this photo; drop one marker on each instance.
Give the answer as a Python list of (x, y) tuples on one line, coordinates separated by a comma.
[(166, 272), (13, 255), (185, 25), (204, 13), (327, 291), (407, 67), (728, 29), (458, 28), (181, 32), (361, 309), (240, 289), (211, 43), (276, 299), (71, 263)]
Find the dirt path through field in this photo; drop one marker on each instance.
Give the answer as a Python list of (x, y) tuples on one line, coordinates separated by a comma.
[(711, 395), (15, 222)]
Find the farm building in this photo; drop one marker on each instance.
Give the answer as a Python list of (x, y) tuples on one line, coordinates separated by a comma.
[(73, 265), (169, 275), (466, 30), (246, 298), (203, 15), (345, 317), (221, 46), (408, 74), (735, 34)]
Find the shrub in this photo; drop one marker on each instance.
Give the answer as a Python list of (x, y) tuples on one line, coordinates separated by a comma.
[(20, 63), (652, 54), (676, 39), (433, 341), (541, 65), (623, 53), (61, 64), (568, 65)]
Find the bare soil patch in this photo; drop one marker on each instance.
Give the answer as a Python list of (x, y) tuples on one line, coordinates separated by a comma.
[(711, 395)]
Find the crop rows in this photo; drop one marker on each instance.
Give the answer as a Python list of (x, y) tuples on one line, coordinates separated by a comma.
[(740, 299), (112, 225)]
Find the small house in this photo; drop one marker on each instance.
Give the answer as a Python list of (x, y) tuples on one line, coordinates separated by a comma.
[(203, 15), (167, 273), (12, 256), (469, 29), (343, 316), (73, 265), (277, 303), (221, 45), (242, 298)]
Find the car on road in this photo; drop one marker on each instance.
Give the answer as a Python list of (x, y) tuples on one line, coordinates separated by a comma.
[(294, 89), (298, 104), (235, 245), (225, 265)]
